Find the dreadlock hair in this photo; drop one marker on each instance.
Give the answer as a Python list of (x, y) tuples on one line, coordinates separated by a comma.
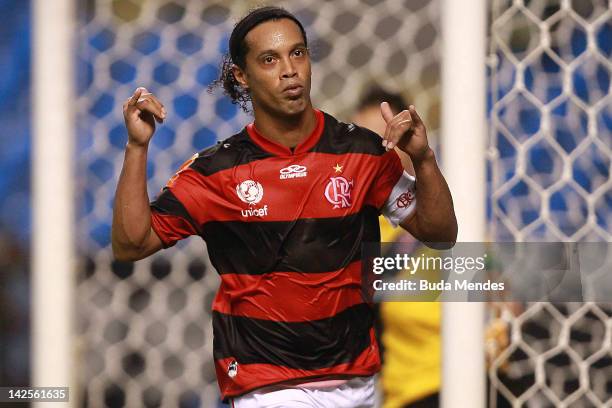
[(238, 50)]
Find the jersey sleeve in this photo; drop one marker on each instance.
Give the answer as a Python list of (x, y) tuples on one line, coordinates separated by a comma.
[(171, 211), (394, 190)]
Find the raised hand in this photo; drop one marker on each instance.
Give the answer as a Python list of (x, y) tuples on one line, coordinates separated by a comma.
[(140, 113), (405, 130)]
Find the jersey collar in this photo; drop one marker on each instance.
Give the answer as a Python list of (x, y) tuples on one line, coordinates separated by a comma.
[(280, 150)]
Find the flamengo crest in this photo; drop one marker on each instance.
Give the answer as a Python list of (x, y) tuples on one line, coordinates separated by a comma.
[(405, 199), (338, 192)]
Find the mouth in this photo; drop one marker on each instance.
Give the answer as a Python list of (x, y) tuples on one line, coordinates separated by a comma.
[(293, 91)]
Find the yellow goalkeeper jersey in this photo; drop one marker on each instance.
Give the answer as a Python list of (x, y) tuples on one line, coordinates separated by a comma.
[(411, 339)]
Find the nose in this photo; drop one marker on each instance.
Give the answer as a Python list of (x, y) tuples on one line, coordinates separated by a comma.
[(288, 69)]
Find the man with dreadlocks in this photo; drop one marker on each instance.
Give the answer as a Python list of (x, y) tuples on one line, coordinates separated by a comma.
[(284, 206)]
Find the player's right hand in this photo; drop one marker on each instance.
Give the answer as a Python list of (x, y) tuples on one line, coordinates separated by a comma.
[(140, 113)]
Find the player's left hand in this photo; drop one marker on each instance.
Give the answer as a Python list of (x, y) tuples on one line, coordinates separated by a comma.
[(405, 130)]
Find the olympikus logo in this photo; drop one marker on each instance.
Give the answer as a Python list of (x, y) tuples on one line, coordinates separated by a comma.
[(293, 171), (255, 212)]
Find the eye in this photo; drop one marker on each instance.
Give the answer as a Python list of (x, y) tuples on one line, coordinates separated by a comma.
[(268, 59), (299, 52)]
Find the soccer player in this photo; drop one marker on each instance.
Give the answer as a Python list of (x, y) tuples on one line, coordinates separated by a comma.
[(284, 206)]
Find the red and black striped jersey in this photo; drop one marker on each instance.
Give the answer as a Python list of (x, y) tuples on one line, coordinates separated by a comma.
[(284, 230)]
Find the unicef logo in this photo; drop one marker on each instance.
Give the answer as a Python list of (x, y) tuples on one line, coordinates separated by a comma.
[(250, 192)]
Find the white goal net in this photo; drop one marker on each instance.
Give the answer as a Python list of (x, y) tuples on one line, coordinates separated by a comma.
[(549, 156)]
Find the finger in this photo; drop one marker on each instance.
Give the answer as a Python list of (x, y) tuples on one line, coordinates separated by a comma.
[(158, 111), (392, 123), (136, 95), (400, 124), (386, 112), (390, 130), (159, 105), (389, 118), (417, 119), (385, 140), (403, 118), (147, 104), (146, 109)]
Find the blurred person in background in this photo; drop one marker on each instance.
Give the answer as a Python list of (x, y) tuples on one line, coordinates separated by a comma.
[(410, 338), (14, 312), (295, 191)]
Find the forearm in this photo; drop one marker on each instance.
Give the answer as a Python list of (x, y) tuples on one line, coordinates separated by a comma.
[(131, 212), (434, 220)]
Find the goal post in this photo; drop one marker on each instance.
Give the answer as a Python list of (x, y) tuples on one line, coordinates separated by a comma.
[(53, 257), (463, 144)]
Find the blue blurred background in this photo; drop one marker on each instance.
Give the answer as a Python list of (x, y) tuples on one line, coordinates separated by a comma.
[(14, 191)]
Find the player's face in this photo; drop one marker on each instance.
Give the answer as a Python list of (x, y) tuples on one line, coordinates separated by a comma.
[(278, 68)]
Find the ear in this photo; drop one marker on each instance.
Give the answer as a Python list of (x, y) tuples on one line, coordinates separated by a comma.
[(240, 76)]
